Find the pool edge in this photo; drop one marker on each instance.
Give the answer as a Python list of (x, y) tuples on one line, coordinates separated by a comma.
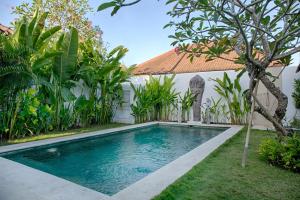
[(146, 188), (19, 181), (154, 183), (28, 145)]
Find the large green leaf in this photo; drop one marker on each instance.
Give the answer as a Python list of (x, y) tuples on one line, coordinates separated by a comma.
[(39, 28), (64, 64), (106, 5), (46, 35), (31, 26), (72, 49), (67, 95), (22, 34), (45, 59)]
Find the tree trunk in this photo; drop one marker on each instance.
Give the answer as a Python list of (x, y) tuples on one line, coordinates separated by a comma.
[(282, 100), (245, 154)]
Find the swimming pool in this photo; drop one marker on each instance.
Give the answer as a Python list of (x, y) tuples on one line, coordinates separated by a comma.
[(112, 162)]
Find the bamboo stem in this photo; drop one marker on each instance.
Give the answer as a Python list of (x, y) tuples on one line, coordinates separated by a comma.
[(245, 154)]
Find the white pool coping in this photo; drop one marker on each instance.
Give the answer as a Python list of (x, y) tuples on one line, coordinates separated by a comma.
[(18, 181)]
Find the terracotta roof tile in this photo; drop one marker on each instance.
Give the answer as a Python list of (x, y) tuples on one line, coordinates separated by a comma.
[(171, 62), (6, 30), (158, 65)]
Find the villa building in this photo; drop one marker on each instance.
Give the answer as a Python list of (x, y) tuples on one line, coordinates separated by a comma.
[(170, 63)]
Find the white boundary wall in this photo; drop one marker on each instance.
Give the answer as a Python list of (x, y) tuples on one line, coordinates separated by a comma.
[(285, 82)]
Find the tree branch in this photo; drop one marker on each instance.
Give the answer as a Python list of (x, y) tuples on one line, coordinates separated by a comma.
[(129, 4), (291, 52)]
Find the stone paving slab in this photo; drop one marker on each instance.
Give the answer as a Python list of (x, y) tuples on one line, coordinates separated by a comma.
[(19, 182)]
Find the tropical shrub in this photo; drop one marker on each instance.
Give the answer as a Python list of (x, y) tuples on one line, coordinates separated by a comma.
[(295, 123), (296, 96), (22, 54), (62, 70), (39, 71), (215, 112), (187, 101), (284, 153), (66, 117), (103, 74), (156, 100), (84, 111), (235, 98), (296, 93), (140, 109), (31, 115)]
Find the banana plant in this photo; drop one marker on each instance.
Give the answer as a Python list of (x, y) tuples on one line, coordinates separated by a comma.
[(33, 34), (104, 75), (156, 100), (169, 96), (187, 101), (83, 111), (21, 54), (24, 51), (215, 110), (141, 107), (232, 94), (63, 69)]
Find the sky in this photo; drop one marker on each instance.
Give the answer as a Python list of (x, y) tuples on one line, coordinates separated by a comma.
[(139, 28)]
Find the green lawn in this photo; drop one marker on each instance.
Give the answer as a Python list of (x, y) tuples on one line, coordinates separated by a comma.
[(63, 133), (220, 176)]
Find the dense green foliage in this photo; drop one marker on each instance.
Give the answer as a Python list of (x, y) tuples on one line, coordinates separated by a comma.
[(296, 93), (220, 175), (284, 153), (103, 74), (55, 134), (216, 112), (295, 123), (231, 93), (187, 101), (156, 100), (33, 117), (41, 72), (22, 55)]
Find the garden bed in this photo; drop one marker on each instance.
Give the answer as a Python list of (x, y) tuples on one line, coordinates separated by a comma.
[(56, 134)]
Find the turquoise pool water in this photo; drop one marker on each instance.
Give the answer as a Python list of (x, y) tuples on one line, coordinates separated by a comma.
[(110, 163)]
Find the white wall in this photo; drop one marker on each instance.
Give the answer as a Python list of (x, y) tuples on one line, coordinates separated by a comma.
[(285, 82), (288, 76), (122, 114)]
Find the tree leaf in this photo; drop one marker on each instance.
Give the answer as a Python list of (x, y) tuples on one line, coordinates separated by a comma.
[(115, 10), (106, 5)]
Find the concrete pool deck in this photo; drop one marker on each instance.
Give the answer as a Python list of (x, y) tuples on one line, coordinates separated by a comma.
[(21, 182)]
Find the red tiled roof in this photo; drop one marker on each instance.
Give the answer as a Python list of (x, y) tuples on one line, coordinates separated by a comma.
[(171, 62), (6, 30)]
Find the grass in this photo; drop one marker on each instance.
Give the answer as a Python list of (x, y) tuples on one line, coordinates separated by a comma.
[(56, 134), (220, 176)]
